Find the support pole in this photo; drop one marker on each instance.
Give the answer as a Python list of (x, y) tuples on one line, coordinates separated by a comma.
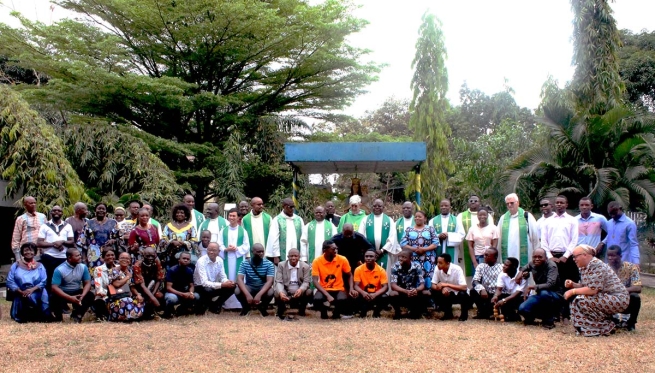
[(295, 188), (417, 186)]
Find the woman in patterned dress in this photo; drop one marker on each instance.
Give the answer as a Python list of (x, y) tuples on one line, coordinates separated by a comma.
[(599, 295), (100, 232), (422, 240), (125, 304), (179, 235)]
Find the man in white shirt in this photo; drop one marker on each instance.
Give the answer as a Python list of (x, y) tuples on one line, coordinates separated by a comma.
[(378, 228), (285, 233), (546, 208), (234, 246), (54, 238), (517, 232), (559, 236), (449, 287), (210, 281), (314, 234), (447, 223)]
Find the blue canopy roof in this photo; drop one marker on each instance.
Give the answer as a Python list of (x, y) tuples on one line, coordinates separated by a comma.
[(353, 157)]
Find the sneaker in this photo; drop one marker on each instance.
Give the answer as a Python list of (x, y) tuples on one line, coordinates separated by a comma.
[(347, 317), (288, 318)]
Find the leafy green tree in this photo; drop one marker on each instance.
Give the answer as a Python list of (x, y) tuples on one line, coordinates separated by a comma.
[(428, 109), (392, 118), (32, 157), (195, 72), (597, 85), (637, 67)]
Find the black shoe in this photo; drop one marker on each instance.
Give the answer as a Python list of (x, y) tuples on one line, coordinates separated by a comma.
[(415, 315), (244, 313), (630, 328), (336, 316), (447, 316), (481, 316), (396, 316), (548, 326), (302, 313), (263, 312), (324, 315), (376, 314), (529, 322), (463, 318)]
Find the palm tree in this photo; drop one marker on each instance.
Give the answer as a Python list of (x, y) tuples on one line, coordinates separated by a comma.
[(606, 157)]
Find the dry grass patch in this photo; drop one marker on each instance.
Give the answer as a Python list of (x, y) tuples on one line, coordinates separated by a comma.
[(229, 343)]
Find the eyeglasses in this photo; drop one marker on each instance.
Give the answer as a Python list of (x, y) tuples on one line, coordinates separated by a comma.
[(545, 204), (510, 203), (576, 256)]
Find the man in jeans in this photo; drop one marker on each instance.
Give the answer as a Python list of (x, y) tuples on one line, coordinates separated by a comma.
[(255, 282), (71, 283), (292, 281), (179, 287), (545, 304)]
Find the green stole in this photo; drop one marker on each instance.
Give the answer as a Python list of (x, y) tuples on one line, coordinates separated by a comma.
[(282, 223), (247, 225), (222, 223), (199, 217), (523, 236), (355, 220), (240, 233), (311, 237), (400, 228), (370, 236), (452, 225), (468, 264)]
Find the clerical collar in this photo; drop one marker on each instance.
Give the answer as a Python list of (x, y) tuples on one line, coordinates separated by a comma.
[(473, 212), (445, 216), (233, 228)]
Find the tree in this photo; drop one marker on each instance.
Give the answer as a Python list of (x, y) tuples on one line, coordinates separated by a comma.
[(597, 85), (605, 157), (32, 157), (392, 118), (197, 72), (428, 109), (637, 67)]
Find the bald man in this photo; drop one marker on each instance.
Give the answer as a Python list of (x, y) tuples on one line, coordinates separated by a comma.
[(27, 226), (285, 233), (214, 222), (196, 216), (292, 284), (78, 223), (451, 233)]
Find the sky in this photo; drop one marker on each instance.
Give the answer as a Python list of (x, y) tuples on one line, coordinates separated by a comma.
[(487, 42)]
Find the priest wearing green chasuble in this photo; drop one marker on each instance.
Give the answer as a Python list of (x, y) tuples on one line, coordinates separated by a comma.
[(214, 223), (257, 223), (451, 234), (286, 229), (517, 232), (234, 246), (379, 230), (354, 216), (468, 219), (196, 216), (404, 222), (314, 234)]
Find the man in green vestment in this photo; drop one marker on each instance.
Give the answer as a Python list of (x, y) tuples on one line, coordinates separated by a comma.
[(379, 230), (196, 216), (468, 219), (257, 223), (354, 216), (214, 222), (517, 232), (285, 232), (450, 233), (314, 234)]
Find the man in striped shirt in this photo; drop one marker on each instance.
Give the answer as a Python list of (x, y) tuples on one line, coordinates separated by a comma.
[(27, 226)]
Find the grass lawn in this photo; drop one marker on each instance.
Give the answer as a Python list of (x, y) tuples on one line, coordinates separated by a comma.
[(229, 343)]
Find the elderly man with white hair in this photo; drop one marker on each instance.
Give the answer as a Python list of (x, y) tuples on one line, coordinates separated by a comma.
[(517, 232), (355, 216)]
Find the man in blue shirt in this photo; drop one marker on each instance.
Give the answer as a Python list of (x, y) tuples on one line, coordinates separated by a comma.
[(180, 288), (255, 282), (621, 231), (590, 224), (71, 283)]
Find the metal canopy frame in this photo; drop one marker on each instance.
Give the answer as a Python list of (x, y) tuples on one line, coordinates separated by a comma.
[(355, 157)]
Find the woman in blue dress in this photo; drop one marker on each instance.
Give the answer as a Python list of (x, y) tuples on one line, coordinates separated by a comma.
[(422, 240), (101, 231), (26, 280)]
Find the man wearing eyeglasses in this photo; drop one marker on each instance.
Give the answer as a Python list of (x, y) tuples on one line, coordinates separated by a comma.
[(517, 231)]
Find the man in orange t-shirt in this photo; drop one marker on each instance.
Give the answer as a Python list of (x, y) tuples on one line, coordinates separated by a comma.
[(331, 272), (371, 283)]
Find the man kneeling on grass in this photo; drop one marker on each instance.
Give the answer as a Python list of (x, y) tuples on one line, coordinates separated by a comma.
[(330, 273), (292, 281), (371, 284), (449, 287), (179, 288), (547, 300), (255, 282), (509, 294), (71, 283), (407, 286), (211, 282)]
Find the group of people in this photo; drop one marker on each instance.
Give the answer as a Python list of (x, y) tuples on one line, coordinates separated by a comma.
[(132, 267)]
